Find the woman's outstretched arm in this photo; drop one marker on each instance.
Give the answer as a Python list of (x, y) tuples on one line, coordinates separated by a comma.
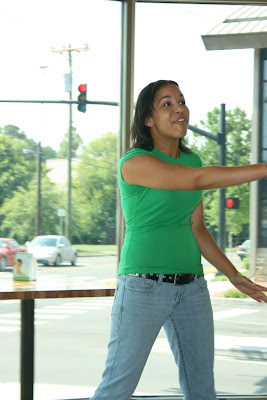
[(149, 171), (213, 254)]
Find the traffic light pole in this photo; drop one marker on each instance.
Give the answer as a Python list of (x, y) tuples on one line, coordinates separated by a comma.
[(220, 139), (221, 231), (100, 103)]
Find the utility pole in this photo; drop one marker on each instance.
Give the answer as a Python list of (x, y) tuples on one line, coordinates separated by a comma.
[(38, 208), (69, 50)]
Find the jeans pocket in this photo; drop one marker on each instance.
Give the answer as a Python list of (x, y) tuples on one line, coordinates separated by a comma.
[(140, 285), (202, 283)]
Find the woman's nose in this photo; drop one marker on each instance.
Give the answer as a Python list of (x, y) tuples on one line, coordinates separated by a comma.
[(178, 107)]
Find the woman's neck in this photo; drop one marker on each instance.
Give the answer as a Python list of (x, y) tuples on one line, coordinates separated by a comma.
[(170, 149)]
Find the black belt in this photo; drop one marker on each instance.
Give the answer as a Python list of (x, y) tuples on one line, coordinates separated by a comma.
[(176, 279)]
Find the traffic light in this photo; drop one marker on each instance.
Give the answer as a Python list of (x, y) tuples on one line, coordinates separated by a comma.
[(82, 97), (232, 203)]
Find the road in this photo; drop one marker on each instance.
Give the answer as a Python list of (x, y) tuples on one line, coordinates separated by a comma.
[(72, 335)]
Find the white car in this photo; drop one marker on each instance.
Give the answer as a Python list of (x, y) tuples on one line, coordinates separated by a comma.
[(52, 249)]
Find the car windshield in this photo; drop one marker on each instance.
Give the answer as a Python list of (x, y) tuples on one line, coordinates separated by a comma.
[(51, 242), (3, 243)]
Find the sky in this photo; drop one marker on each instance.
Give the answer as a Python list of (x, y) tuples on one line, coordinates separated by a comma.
[(168, 45)]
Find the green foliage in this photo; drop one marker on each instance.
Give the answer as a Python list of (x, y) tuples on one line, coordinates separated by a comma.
[(246, 262), (16, 169), (94, 192), (18, 213), (29, 144), (238, 129), (219, 278), (96, 249), (234, 293), (77, 144)]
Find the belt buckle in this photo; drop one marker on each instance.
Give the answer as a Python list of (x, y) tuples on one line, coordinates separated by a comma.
[(175, 279)]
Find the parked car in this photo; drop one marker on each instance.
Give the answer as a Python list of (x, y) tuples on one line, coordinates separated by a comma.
[(243, 249), (52, 249), (8, 249)]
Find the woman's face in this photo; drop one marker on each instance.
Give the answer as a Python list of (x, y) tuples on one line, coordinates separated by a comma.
[(170, 116)]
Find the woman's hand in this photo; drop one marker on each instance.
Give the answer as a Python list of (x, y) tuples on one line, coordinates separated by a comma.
[(250, 288)]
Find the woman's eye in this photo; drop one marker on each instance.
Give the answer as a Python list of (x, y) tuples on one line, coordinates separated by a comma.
[(182, 102), (166, 104)]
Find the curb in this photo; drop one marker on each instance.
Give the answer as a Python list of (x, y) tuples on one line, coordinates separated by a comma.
[(96, 255)]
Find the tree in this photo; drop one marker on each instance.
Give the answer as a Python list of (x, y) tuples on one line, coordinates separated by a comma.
[(16, 168), (14, 132), (77, 144), (94, 194), (18, 213), (238, 129)]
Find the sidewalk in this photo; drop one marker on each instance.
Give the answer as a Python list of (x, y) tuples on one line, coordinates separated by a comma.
[(238, 347)]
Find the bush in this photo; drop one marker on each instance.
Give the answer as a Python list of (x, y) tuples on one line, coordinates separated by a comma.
[(219, 278)]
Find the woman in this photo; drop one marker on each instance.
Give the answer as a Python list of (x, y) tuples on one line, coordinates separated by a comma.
[(161, 280)]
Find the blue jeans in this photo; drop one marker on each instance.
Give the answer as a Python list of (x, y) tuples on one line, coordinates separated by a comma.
[(141, 307)]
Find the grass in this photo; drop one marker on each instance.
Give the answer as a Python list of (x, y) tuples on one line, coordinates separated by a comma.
[(96, 249), (224, 278), (235, 293)]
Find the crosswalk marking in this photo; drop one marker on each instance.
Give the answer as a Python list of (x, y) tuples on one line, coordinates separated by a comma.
[(161, 345), (72, 307), (236, 342), (9, 329), (10, 301), (234, 312), (10, 322), (57, 311)]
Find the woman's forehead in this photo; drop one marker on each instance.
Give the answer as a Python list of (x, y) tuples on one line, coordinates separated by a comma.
[(172, 89), (167, 91)]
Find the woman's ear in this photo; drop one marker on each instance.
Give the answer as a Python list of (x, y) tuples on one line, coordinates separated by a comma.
[(148, 122)]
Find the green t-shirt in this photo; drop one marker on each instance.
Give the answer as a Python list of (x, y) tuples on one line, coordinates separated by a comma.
[(158, 237)]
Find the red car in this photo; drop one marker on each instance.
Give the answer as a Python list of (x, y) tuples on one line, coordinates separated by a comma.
[(8, 249)]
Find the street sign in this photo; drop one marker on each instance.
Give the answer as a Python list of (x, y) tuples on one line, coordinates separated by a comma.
[(61, 212)]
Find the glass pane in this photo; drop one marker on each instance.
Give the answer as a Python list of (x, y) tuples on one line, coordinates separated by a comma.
[(263, 212), (264, 116), (265, 70), (44, 44), (264, 156), (207, 79)]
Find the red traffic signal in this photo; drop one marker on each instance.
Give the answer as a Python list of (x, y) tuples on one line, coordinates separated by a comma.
[(82, 88), (82, 97), (232, 203)]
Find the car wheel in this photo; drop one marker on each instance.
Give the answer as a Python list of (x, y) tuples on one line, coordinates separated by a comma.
[(57, 260), (3, 264), (74, 259)]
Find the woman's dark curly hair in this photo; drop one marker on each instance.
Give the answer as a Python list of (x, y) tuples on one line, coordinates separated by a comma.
[(140, 133)]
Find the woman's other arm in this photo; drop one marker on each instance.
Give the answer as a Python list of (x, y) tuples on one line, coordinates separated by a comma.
[(149, 171), (213, 254)]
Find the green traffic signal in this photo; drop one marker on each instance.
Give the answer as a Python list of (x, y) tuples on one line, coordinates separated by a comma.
[(82, 97)]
